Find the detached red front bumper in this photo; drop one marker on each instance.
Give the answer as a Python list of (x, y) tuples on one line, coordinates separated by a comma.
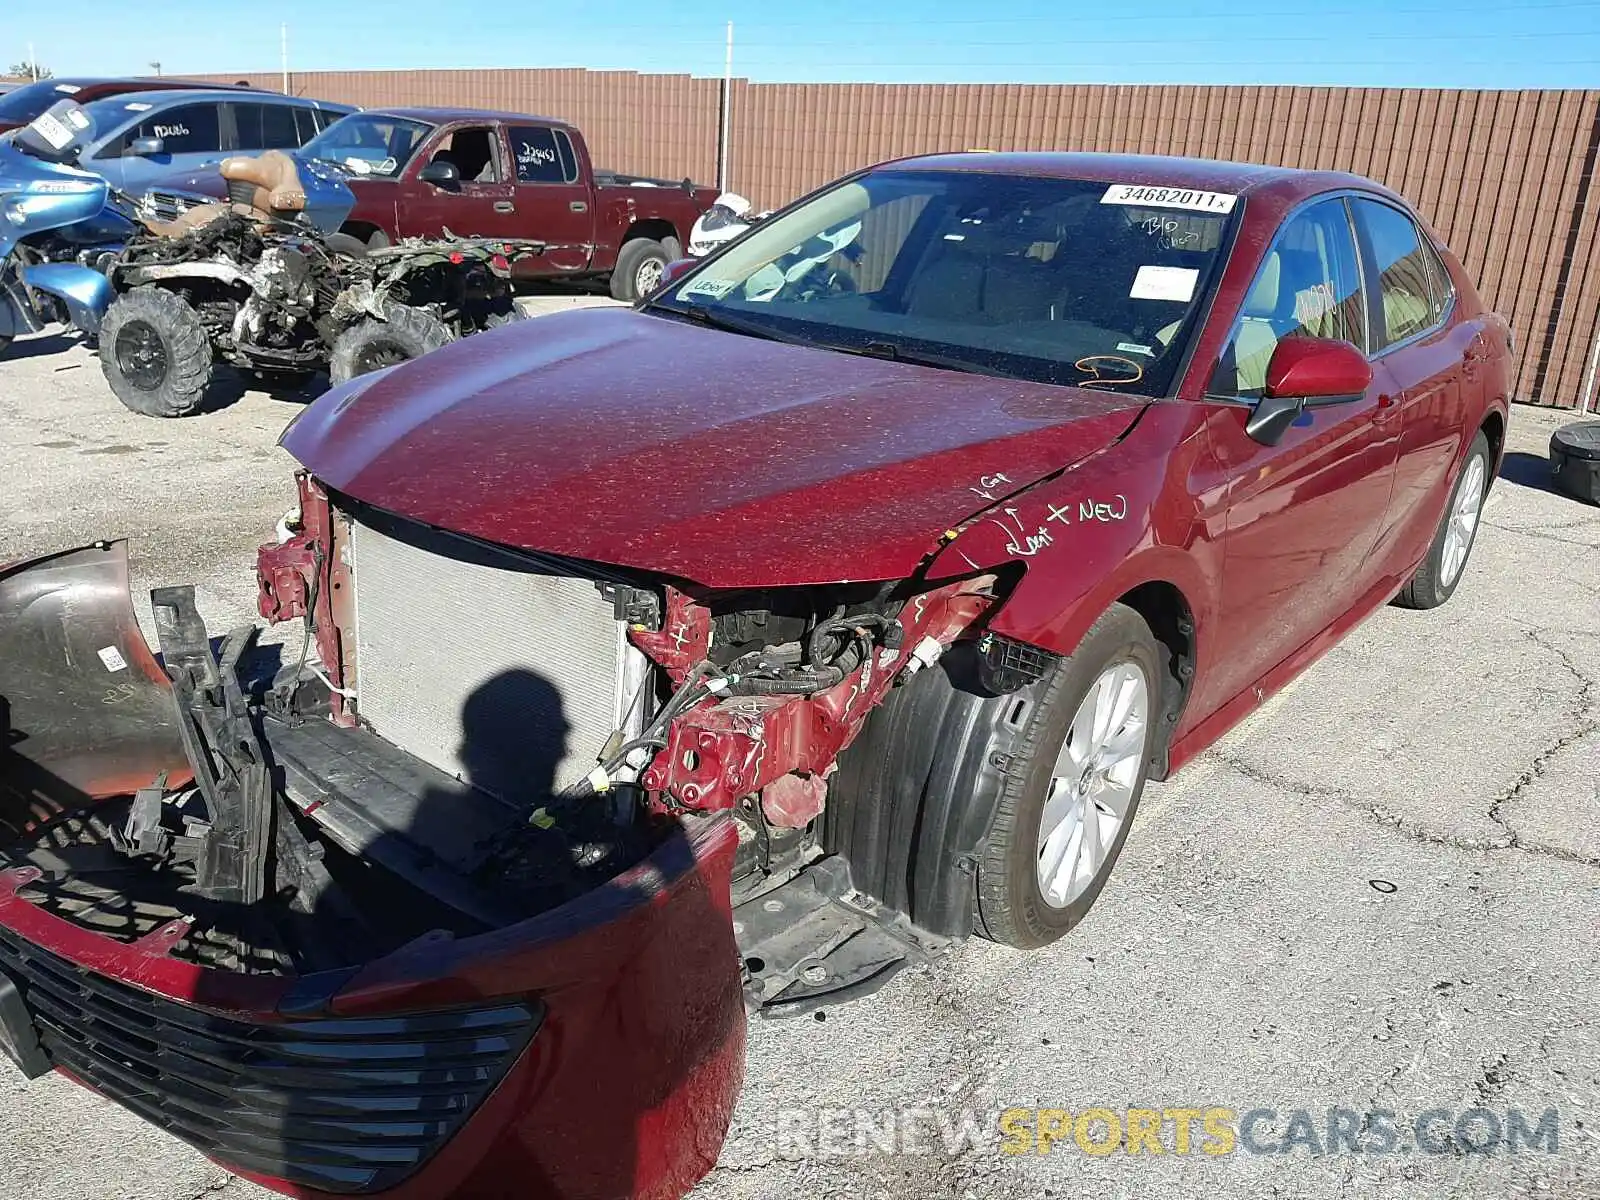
[(594, 1051)]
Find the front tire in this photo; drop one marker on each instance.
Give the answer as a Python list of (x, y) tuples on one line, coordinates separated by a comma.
[(639, 269), (373, 344), (155, 353), (1061, 822), (1440, 572)]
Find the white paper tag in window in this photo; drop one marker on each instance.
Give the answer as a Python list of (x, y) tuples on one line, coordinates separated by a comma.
[(52, 130), (1165, 283), (1147, 196)]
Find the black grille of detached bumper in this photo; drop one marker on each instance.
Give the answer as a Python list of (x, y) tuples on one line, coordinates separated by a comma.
[(348, 1104)]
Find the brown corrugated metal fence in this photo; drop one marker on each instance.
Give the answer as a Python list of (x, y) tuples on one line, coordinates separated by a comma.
[(1506, 177)]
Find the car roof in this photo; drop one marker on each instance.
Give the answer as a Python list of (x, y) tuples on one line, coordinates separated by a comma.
[(161, 82), (164, 96), (441, 116), (1155, 170)]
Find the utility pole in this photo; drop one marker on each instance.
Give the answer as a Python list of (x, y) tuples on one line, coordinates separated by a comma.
[(284, 47), (725, 137), (33, 64)]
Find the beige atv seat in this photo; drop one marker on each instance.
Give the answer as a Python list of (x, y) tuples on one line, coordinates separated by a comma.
[(268, 182), (265, 185)]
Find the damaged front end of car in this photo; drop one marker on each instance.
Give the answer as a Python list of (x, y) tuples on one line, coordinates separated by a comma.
[(328, 966), (600, 702)]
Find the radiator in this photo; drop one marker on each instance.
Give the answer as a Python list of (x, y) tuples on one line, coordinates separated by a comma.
[(506, 678)]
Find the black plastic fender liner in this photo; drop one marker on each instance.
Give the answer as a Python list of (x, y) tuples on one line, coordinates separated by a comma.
[(88, 707), (915, 794)]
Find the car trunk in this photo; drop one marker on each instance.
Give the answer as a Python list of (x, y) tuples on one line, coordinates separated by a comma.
[(430, 909)]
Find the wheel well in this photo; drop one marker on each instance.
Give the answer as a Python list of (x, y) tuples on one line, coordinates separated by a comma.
[(656, 227), (1494, 429), (1167, 612)]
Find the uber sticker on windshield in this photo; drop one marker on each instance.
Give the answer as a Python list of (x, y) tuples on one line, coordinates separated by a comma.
[(715, 289), (1164, 283), (1169, 197)]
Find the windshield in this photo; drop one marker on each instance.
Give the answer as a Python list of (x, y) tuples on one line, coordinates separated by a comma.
[(369, 144), (31, 99), (58, 134), (1060, 280)]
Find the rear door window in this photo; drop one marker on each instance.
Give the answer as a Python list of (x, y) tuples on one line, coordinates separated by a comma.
[(538, 155), (1399, 262), (1309, 285), (266, 127)]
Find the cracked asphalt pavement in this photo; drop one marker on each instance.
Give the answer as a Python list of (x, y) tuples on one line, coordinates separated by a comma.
[(1381, 892)]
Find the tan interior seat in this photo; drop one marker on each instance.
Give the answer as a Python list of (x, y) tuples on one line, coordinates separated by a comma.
[(1256, 340)]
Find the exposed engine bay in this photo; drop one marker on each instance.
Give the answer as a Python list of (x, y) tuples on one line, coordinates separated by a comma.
[(460, 736)]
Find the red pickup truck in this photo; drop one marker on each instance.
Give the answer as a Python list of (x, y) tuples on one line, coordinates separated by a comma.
[(418, 172)]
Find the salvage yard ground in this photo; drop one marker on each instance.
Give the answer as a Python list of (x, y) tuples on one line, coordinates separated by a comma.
[(1242, 956)]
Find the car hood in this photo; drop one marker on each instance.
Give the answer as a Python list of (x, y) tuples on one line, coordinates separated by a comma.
[(721, 459)]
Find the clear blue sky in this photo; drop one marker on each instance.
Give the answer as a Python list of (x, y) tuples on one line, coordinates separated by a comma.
[(1471, 43)]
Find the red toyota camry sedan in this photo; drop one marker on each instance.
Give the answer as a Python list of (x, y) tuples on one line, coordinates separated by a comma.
[(725, 653)]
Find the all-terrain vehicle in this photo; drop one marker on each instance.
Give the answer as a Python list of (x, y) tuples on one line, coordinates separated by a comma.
[(265, 284)]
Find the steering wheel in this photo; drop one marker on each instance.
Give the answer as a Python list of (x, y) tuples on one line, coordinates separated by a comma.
[(820, 283)]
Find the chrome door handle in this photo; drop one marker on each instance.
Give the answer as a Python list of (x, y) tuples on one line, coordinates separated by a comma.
[(504, 206), (578, 205)]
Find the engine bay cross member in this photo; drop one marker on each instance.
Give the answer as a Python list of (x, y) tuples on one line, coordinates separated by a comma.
[(729, 653)]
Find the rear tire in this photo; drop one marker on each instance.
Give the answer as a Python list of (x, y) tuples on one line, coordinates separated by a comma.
[(373, 344), (1058, 830), (155, 353), (1440, 573), (639, 269)]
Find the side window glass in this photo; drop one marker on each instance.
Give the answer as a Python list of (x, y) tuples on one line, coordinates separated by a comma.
[(1400, 265), (569, 158), (1309, 285), (537, 154), (187, 129), (1441, 288), (305, 122), (266, 127)]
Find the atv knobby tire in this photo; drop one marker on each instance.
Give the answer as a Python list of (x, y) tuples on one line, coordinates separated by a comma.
[(155, 353), (373, 344)]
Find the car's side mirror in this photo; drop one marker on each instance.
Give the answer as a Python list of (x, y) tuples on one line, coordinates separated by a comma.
[(676, 270), (440, 173), (145, 147), (1306, 372)]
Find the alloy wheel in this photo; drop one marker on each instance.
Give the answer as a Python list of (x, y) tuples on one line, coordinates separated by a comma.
[(1463, 522), (1092, 784), (647, 278)]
